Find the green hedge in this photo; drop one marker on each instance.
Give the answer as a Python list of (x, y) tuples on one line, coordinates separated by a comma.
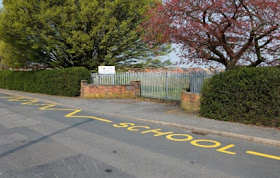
[(246, 95), (63, 82)]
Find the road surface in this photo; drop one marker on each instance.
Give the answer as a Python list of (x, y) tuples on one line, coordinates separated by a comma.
[(39, 139)]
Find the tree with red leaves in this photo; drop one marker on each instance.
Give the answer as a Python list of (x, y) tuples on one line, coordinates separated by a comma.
[(231, 32)]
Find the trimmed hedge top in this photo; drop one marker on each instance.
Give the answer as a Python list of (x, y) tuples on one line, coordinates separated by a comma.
[(246, 95), (63, 82)]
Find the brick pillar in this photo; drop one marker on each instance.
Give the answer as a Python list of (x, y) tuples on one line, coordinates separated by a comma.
[(136, 87), (190, 101), (83, 84)]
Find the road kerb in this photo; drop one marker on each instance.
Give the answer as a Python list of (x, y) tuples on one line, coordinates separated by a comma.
[(216, 132)]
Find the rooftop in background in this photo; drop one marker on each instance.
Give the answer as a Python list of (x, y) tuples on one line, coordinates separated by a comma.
[(175, 70)]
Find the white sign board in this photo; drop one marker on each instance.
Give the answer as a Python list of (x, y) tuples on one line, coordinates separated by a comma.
[(106, 70)]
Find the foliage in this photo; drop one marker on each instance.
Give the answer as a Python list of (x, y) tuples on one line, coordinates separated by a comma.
[(9, 55), (150, 63), (247, 95), (232, 33), (157, 63), (64, 82), (75, 32)]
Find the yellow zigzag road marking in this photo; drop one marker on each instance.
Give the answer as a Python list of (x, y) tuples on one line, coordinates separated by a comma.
[(72, 114), (18, 99), (33, 103), (14, 98), (50, 107), (6, 97), (91, 117)]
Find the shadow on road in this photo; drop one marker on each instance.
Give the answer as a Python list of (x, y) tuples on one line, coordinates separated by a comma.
[(42, 138)]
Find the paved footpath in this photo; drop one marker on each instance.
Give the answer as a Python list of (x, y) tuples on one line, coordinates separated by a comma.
[(50, 136)]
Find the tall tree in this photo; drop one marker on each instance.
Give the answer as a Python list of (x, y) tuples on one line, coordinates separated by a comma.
[(9, 56), (65, 33), (230, 32)]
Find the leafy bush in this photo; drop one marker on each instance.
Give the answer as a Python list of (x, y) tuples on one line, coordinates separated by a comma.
[(246, 95), (64, 82)]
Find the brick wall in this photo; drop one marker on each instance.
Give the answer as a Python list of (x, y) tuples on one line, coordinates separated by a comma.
[(110, 91), (190, 101)]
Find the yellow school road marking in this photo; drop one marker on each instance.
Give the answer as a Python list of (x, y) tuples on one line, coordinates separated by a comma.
[(203, 143), (224, 149), (176, 137), (171, 137), (216, 144), (263, 155), (209, 144), (51, 107), (91, 117)]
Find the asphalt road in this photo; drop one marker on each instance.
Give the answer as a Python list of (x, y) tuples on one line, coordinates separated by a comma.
[(39, 139)]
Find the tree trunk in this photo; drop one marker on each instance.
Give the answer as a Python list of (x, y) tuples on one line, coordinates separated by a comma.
[(230, 65)]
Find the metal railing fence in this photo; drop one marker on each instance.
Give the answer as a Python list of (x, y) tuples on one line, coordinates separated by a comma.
[(167, 86), (197, 80)]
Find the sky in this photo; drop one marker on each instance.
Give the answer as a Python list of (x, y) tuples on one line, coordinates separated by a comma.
[(176, 60), (0, 3)]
